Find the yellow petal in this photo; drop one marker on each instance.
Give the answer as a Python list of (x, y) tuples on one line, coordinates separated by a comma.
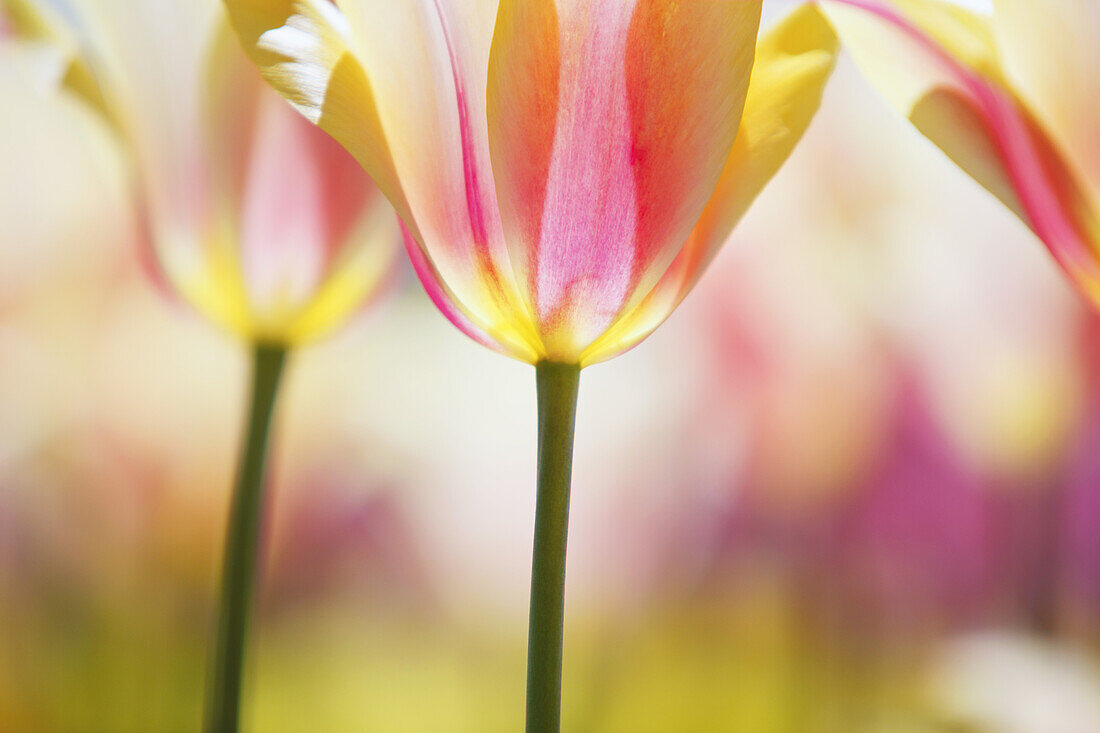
[(952, 123), (793, 64), (69, 70), (896, 62), (356, 280), (303, 49)]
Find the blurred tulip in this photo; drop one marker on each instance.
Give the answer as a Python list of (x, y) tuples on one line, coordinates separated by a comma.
[(565, 171), (295, 238), (256, 218), (1009, 98)]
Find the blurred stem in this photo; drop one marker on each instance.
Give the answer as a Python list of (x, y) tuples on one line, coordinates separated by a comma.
[(557, 393), (241, 541)]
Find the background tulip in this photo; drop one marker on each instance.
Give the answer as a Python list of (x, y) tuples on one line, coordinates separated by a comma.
[(296, 239), (564, 171), (254, 217), (1008, 97)]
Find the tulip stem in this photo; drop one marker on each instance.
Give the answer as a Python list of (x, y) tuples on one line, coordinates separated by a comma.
[(557, 395), (241, 547)]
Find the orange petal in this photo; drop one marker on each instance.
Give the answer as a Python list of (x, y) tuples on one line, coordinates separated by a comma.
[(609, 125), (303, 49)]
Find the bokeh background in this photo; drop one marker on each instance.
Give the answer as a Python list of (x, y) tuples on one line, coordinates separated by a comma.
[(852, 485)]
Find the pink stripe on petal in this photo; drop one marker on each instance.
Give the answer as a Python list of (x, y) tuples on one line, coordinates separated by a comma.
[(474, 199), (479, 200), (439, 294), (1049, 51), (649, 100), (1043, 183), (585, 257)]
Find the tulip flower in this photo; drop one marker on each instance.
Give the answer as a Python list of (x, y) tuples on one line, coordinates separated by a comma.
[(1008, 97), (564, 171), (257, 219)]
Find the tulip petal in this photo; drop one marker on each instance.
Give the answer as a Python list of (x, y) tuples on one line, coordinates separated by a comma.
[(937, 64), (688, 74), (303, 49), (440, 295), (402, 85), (608, 135), (793, 63), (440, 145), (356, 276), (63, 66), (522, 110), (1051, 52)]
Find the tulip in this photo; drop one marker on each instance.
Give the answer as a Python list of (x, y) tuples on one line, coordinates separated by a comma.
[(564, 171), (257, 220), (255, 217), (1008, 97)]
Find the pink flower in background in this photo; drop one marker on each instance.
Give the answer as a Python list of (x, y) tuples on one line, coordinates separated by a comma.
[(564, 171), (1011, 98)]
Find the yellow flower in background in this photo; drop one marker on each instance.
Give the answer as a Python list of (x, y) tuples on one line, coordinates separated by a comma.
[(252, 215), (1011, 98)]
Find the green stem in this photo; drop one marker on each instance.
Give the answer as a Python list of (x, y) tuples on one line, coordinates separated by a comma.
[(557, 390), (241, 541)]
